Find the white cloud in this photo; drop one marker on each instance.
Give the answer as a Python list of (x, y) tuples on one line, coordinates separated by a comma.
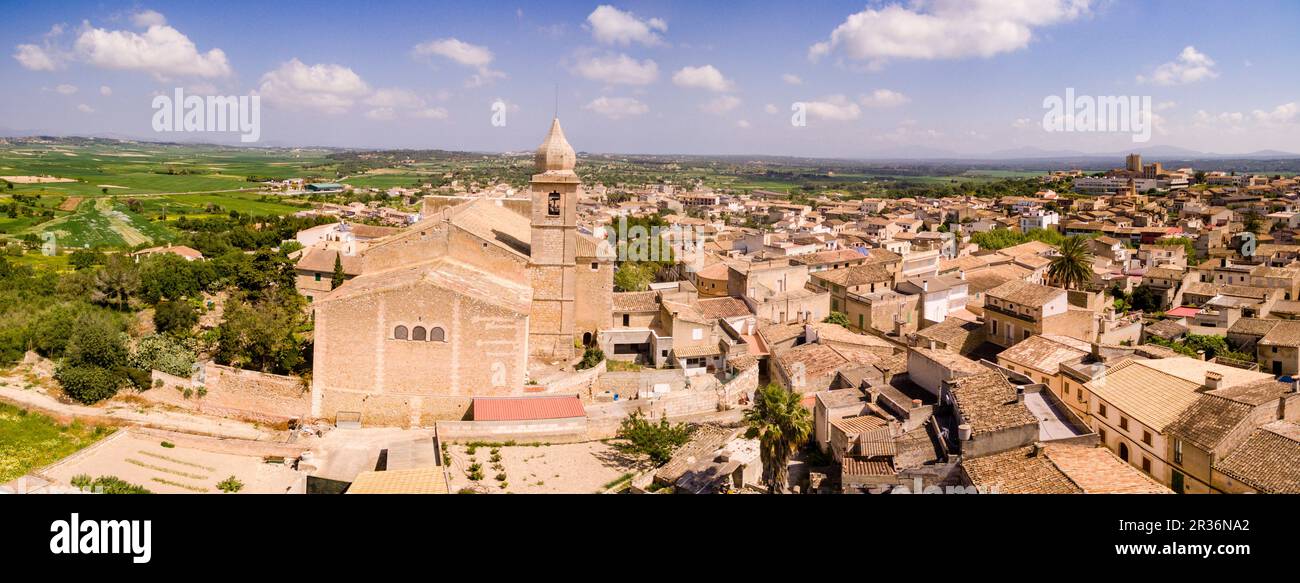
[(833, 108), (883, 98), (743, 124), (430, 113), (395, 97), (721, 104), (1203, 117), (46, 56), (618, 69), (66, 89), (37, 58), (83, 108), (326, 88), (148, 18), (161, 51), (791, 79), (105, 90), (381, 114), (1282, 114), (457, 50), (705, 77), (770, 108), (612, 26), (1190, 66), (466, 54), (617, 107), (945, 29)]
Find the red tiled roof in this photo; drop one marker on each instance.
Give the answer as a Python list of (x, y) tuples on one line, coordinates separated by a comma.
[(1183, 312), (527, 408)]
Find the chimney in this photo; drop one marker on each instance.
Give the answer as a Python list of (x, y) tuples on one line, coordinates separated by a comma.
[(1020, 394), (933, 344), (925, 285), (916, 403), (963, 432), (1201, 355), (1096, 351), (1281, 408), (1213, 380)]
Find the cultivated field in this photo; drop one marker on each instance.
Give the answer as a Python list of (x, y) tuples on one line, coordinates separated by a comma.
[(30, 440)]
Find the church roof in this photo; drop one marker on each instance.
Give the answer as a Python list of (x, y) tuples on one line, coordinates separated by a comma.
[(495, 224), (555, 154), (446, 273)]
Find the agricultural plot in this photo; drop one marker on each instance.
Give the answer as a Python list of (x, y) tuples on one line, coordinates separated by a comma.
[(114, 170), (104, 222), (30, 440)]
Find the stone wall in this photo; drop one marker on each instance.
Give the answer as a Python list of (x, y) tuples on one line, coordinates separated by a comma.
[(235, 393), (540, 431), (626, 384)]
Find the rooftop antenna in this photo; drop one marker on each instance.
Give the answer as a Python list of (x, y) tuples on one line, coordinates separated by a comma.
[(557, 100)]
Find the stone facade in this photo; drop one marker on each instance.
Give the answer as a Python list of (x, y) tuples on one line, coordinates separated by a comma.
[(457, 305)]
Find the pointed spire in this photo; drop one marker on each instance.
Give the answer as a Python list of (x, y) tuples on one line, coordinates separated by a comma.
[(555, 153)]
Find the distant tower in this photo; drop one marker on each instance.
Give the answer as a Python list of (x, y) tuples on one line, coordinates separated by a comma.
[(552, 267), (1133, 163)]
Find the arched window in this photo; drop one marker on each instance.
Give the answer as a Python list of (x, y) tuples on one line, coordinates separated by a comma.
[(437, 334), (399, 333), (1123, 451), (418, 333)]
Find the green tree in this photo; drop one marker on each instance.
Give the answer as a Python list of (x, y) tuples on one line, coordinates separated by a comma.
[(175, 317), (1073, 266), (261, 335), (657, 441), (1143, 299), (116, 282), (782, 425), (88, 384), (838, 318), (337, 279), (164, 353), (631, 277), (85, 259)]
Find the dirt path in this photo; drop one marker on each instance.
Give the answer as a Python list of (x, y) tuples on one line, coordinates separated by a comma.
[(124, 414), (70, 203)]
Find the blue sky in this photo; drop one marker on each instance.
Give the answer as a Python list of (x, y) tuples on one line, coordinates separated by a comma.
[(879, 78)]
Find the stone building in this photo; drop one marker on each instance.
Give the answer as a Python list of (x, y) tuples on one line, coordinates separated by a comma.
[(462, 303)]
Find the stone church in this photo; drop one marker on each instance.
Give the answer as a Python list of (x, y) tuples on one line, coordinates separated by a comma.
[(463, 303)]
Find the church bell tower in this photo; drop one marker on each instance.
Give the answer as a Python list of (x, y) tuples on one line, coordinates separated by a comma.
[(552, 267)]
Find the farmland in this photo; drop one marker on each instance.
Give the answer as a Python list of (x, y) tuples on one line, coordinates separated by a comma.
[(96, 193), (31, 440)]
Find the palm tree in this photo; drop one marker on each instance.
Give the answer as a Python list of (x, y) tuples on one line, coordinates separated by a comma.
[(781, 424), (1073, 267)]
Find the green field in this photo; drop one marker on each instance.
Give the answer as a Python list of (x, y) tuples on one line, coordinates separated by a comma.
[(30, 441), (167, 181), (126, 169)]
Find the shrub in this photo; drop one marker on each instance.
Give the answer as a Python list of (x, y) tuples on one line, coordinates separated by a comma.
[(230, 485), (175, 317), (658, 441), (164, 353), (591, 357), (107, 485), (87, 384), (168, 444)]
